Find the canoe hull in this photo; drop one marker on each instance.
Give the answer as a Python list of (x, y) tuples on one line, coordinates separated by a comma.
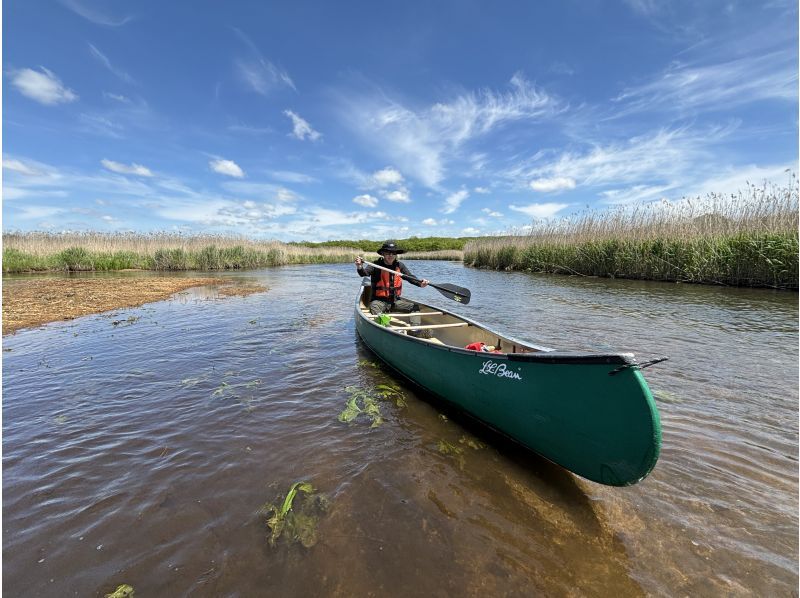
[(568, 408)]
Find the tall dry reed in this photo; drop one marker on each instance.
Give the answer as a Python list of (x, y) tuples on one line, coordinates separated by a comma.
[(746, 239)]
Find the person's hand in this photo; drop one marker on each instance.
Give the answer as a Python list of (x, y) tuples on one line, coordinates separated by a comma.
[(359, 261), (423, 282)]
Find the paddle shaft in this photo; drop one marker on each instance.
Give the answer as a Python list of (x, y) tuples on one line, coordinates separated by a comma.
[(407, 277)]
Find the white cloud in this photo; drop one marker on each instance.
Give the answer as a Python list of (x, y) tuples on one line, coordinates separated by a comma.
[(470, 230), (482, 190), (136, 169), (44, 87), (227, 167), (398, 195), (368, 201), (301, 129), (540, 210), (429, 222), (491, 213), (552, 184), (387, 176), (454, 200)]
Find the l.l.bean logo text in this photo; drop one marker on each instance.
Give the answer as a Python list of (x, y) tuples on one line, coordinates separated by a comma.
[(493, 368)]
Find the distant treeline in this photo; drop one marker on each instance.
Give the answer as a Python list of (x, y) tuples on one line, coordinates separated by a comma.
[(412, 244)]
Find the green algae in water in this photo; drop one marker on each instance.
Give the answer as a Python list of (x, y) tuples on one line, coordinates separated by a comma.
[(454, 451), (367, 401), (351, 411), (296, 522), (472, 443), (367, 363), (123, 591)]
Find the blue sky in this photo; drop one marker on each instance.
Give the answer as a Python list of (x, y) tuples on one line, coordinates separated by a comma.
[(339, 120)]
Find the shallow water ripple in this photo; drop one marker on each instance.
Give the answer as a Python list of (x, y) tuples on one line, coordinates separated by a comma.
[(141, 453)]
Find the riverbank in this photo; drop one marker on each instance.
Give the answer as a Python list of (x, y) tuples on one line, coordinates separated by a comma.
[(28, 303)]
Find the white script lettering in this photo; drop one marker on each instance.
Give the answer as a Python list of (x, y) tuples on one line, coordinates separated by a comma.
[(493, 368)]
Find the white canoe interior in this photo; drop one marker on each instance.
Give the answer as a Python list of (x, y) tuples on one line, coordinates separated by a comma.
[(448, 329)]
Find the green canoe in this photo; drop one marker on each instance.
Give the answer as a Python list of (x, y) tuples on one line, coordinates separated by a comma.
[(592, 414)]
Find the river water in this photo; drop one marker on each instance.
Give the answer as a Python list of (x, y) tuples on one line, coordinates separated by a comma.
[(140, 445)]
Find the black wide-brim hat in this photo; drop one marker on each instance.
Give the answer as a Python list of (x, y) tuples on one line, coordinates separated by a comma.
[(390, 247)]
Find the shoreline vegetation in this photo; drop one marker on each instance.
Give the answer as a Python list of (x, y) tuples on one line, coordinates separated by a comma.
[(747, 239), (744, 239)]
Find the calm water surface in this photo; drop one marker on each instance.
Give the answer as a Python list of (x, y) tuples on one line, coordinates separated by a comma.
[(141, 452)]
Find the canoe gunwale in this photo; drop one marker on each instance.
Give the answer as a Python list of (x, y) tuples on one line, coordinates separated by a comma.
[(539, 353)]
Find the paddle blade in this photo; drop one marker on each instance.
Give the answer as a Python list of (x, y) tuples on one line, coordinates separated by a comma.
[(451, 291)]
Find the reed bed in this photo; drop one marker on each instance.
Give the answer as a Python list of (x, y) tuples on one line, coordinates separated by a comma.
[(41, 251), (745, 239), (453, 255)]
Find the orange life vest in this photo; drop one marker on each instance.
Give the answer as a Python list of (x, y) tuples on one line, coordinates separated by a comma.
[(382, 287)]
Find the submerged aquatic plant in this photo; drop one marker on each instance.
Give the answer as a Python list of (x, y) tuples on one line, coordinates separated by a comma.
[(454, 451), (298, 523), (122, 591), (367, 401), (472, 442), (368, 363)]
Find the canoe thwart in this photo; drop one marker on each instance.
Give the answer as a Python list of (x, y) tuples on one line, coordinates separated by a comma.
[(429, 326), (406, 315)]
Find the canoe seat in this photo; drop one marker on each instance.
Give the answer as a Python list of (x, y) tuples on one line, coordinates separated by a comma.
[(433, 340)]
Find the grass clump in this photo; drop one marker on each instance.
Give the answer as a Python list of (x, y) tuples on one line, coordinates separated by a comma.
[(297, 522)]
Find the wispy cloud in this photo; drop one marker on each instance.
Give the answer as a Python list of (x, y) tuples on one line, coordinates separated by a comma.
[(454, 201), (288, 176), (44, 87), (719, 86), (107, 63), (539, 210), (90, 12), (664, 155), (491, 213), (258, 73), (20, 167), (226, 167), (136, 169), (300, 128), (550, 185), (423, 141), (366, 200), (261, 191)]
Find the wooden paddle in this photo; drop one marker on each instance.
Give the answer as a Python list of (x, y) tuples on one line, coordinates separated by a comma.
[(451, 291)]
